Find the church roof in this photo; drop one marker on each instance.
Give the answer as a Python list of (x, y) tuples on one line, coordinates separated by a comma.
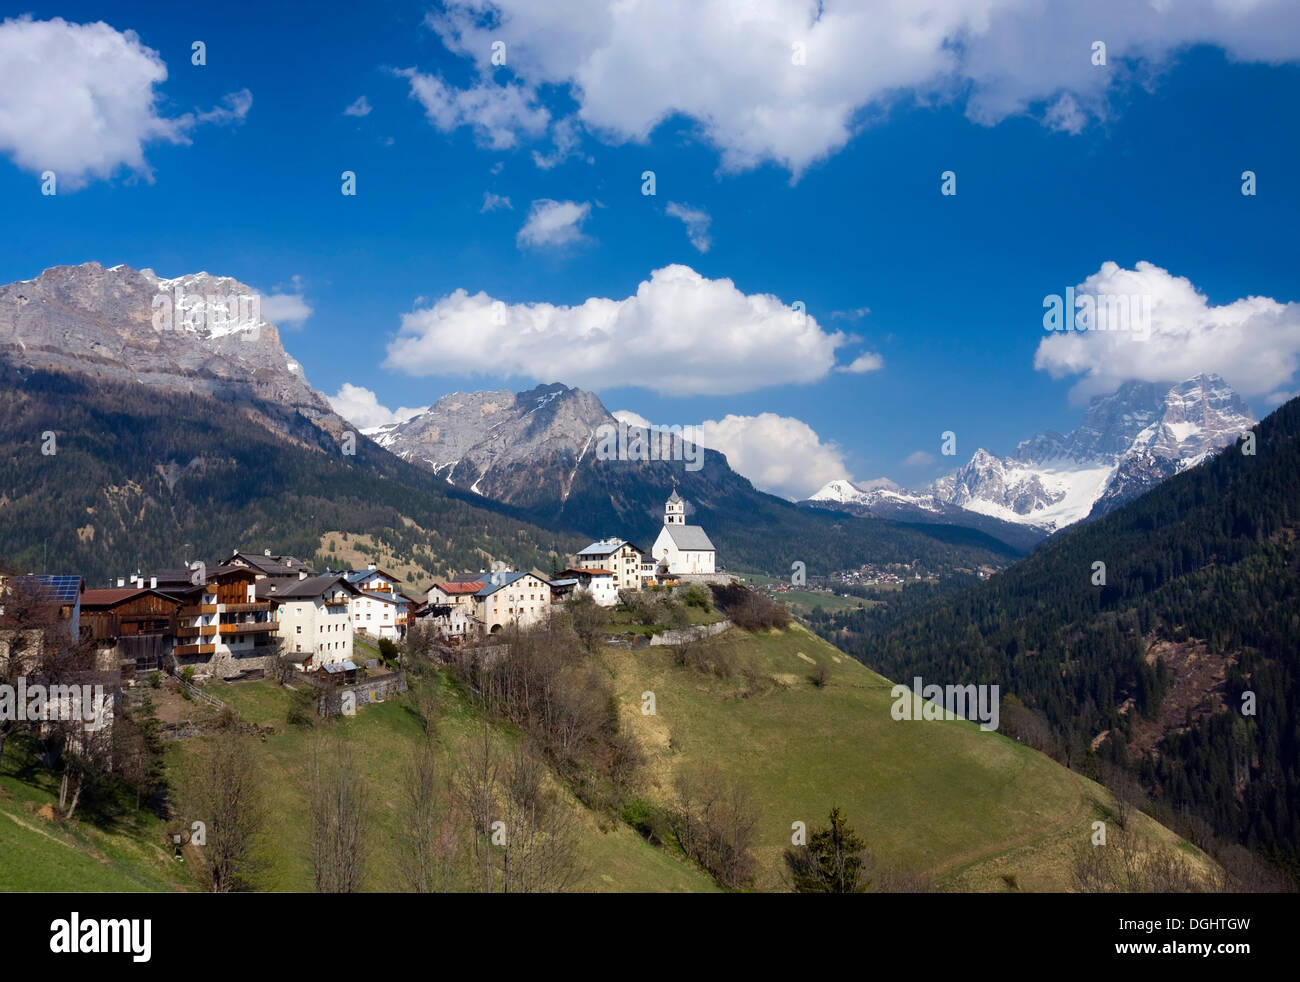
[(673, 499), (690, 537)]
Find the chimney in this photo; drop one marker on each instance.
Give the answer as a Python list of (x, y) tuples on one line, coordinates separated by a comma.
[(302, 574), (119, 582), (153, 583), (371, 567), (266, 552)]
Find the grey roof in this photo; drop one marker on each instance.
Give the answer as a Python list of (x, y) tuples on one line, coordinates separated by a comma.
[(673, 498), (604, 547), (490, 588), (295, 589), (690, 537)]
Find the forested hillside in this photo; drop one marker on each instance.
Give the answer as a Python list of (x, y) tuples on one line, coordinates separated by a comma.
[(137, 473), (1179, 663)]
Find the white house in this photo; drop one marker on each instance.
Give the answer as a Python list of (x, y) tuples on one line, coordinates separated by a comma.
[(314, 616), (516, 598), (598, 582), (682, 548), (380, 610), (619, 557)]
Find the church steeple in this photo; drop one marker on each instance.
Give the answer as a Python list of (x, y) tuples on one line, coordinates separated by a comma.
[(675, 510)]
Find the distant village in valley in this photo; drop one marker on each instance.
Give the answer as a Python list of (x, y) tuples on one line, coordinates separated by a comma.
[(233, 619)]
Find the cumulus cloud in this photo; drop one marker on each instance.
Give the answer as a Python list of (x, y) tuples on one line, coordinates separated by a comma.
[(679, 334), (779, 454), (500, 115), (553, 223), (287, 306), (696, 221), (731, 67), (1253, 342), (495, 202), (360, 407), (359, 108), (866, 362), (80, 100)]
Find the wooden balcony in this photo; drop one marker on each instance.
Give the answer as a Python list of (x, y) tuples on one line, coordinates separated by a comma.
[(338, 601), (259, 627), (249, 607), (184, 650), (197, 609), (207, 630)]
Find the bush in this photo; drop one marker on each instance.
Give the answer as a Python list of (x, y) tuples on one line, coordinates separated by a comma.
[(155, 680), (695, 597), (387, 650), (749, 609)]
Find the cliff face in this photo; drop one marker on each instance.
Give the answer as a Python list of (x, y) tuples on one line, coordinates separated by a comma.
[(194, 333)]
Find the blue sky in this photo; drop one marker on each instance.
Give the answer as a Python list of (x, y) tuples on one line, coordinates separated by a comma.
[(822, 188)]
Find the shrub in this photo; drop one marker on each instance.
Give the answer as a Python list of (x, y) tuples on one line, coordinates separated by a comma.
[(749, 609)]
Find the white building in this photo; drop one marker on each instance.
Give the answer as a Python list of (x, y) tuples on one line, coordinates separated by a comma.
[(598, 582), (314, 616), (681, 548), (619, 557), (516, 598), (380, 610)]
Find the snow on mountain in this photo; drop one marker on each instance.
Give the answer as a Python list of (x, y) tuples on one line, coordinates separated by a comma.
[(1127, 442)]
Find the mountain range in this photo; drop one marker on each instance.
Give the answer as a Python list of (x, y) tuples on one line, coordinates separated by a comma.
[(1128, 442), (189, 423)]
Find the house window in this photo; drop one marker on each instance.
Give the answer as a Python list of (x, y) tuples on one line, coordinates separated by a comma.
[(298, 629)]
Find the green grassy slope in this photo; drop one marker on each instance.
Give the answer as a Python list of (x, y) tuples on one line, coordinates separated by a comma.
[(967, 806), (943, 796), (38, 854)]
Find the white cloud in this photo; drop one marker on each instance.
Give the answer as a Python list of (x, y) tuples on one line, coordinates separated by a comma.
[(696, 221), (499, 114), (679, 334), (729, 65), (80, 100), (564, 134), (779, 454), (359, 108), (857, 313), (495, 202), (867, 362), (553, 223), (287, 307), (360, 406), (1253, 342), (919, 458)]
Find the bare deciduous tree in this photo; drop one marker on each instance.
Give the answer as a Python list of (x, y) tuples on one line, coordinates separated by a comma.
[(338, 818), (224, 789)]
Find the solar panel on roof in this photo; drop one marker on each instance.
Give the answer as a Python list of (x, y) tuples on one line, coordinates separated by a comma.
[(64, 588)]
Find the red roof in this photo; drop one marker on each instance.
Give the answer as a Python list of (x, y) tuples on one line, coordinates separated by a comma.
[(107, 598), (461, 587)]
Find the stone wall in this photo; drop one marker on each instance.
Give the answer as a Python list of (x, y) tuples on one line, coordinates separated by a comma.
[(688, 634)]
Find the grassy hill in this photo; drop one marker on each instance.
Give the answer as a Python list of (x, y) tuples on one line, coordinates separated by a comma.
[(975, 811)]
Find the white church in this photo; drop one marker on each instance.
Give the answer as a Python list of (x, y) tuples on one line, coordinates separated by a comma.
[(682, 549)]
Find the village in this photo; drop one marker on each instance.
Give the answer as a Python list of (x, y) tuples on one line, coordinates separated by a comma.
[(238, 618)]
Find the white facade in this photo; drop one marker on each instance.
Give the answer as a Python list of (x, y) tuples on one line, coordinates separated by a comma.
[(317, 628), (680, 547), (621, 558), (598, 582), (523, 599)]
